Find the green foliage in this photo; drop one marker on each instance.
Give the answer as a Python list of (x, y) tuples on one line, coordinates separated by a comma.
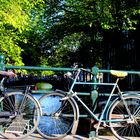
[(91, 18), (14, 19), (61, 54), (59, 32)]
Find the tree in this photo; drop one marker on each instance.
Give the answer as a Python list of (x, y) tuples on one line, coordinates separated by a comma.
[(91, 18), (14, 19), (55, 32)]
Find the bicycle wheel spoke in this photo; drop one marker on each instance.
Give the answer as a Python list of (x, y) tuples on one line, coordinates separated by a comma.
[(8, 103)]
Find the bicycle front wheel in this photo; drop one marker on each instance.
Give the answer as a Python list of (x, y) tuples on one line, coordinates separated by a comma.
[(58, 117), (124, 125), (19, 115)]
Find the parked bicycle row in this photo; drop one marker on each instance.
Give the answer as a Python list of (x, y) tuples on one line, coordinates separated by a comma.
[(56, 113)]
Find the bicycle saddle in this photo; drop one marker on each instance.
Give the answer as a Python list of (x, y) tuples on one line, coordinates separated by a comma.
[(7, 73), (119, 74)]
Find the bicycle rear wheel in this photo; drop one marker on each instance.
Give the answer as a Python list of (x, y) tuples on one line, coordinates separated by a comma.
[(58, 117), (124, 126), (19, 115)]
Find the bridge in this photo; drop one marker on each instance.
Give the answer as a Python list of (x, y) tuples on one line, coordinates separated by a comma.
[(95, 71)]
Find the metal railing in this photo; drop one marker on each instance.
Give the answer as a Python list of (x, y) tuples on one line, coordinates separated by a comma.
[(100, 75)]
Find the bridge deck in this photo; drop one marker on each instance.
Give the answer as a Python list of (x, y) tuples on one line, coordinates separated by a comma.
[(75, 137)]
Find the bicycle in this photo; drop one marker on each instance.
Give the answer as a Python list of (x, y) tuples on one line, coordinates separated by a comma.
[(19, 111), (60, 111)]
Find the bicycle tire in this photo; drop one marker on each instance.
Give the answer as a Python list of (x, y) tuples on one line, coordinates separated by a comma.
[(24, 114), (121, 125), (58, 117)]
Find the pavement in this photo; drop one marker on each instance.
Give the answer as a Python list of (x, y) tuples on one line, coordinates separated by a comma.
[(103, 135), (68, 137), (77, 137)]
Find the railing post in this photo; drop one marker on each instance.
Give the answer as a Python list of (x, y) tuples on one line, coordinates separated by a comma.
[(2, 62), (94, 92), (95, 71), (94, 96)]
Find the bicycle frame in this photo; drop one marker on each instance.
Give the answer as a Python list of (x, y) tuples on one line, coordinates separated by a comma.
[(120, 114), (115, 86)]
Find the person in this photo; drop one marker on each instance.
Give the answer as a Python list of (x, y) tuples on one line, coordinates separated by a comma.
[(7, 73)]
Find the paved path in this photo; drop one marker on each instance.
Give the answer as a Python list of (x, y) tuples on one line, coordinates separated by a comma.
[(75, 137)]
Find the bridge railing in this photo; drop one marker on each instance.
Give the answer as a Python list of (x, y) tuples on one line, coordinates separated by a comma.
[(99, 75)]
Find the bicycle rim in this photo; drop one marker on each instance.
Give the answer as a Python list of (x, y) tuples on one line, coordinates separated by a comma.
[(58, 117), (19, 115), (122, 126)]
